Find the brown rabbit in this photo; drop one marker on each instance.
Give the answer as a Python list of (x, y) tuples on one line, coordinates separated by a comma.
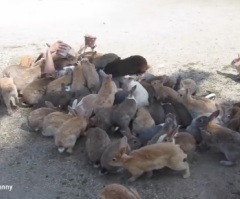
[(36, 117), (224, 139), (68, 133), (142, 120), (34, 91), (53, 121), (106, 94), (197, 105), (8, 91), (164, 93), (23, 76), (78, 79), (91, 76), (56, 85), (117, 191), (101, 61), (152, 157), (96, 143), (236, 64), (234, 119), (110, 152)]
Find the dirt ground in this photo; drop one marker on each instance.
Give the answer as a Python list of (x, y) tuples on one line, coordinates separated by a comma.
[(192, 38)]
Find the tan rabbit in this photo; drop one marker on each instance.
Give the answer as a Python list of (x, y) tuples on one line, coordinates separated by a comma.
[(234, 119), (53, 121), (106, 94), (96, 143), (91, 76), (29, 75), (68, 133), (197, 105), (164, 92), (8, 91), (78, 79), (142, 120), (117, 191), (36, 117), (152, 157)]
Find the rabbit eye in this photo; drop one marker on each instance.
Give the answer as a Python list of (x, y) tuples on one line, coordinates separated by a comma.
[(135, 142), (114, 159)]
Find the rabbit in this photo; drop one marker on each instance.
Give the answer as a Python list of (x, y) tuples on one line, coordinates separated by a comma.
[(56, 85), (105, 96), (188, 84), (167, 127), (198, 105), (169, 108), (117, 191), (140, 93), (59, 99), (157, 112), (164, 93), (129, 66), (151, 157), (78, 78), (142, 120), (87, 103), (36, 117), (236, 64), (102, 118), (223, 139), (148, 133), (183, 115), (8, 92), (149, 88), (91, 76), (25, 76), (97, 141), (234, 119), (124, 113), (81, 93), (101, 61), (120, 96), (52, 122), (34, 91), (66, 136), (110, 151), (185, 140)]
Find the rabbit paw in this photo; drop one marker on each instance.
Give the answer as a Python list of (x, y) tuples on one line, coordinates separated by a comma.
[(132, 179), (186, 174), (70, 150), (226, 163)]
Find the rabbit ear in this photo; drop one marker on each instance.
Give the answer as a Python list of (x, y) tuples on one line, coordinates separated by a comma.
[(74, 104), (133, 89), (102, 73), (71, 110), (122, 150), (213, 115), (123, 142), (49, 104)]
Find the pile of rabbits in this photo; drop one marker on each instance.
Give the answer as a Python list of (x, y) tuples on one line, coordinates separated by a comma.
[(131, 119)]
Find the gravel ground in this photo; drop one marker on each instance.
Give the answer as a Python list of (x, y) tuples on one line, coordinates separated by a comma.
[(192, 38)]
